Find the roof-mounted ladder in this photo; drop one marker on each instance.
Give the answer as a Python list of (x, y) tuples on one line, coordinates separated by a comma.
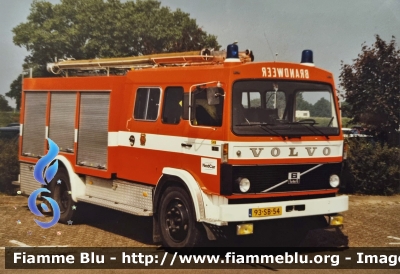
[(191, 58)]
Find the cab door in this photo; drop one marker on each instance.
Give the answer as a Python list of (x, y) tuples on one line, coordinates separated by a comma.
[(141, 146), (201, 147)]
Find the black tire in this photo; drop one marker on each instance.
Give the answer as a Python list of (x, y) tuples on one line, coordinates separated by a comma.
[(60, 188), (177, 220)]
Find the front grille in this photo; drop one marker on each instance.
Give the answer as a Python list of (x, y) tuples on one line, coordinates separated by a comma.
[(264, 177)]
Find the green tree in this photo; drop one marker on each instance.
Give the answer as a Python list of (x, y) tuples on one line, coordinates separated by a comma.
[(345, 108), (321, 108), (302, 104), (15, 91), (9, 165), (4, 104), (372, 86), (86, 29)]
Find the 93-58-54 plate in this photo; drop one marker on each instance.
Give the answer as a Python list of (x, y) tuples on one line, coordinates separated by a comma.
[(265, 211)]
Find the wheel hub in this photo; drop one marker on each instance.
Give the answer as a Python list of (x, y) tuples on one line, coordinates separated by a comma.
[(177, 220)]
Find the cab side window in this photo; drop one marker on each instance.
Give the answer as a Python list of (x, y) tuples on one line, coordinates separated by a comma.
[(204, 113), (172, 107), (147, 104)]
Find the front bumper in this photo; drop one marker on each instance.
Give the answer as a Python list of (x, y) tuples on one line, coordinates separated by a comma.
[(311, 207)]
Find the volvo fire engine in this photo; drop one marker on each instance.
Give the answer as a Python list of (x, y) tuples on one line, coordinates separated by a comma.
[(202, 142)]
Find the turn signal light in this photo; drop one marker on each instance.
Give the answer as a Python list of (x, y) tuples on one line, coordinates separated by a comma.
[(224, 156), (244, 229), (345, 150), (336, 220)]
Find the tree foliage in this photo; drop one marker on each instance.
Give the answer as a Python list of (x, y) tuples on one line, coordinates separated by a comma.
[(321, 108), (372, 86), (95, 28), (9, 165), (372, 168), (302, 104), (15, 91), (4, 104), (86, 29), (345, 108)]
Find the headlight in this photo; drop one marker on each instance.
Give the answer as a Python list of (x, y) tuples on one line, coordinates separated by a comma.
[(244, 184), (334, 180)]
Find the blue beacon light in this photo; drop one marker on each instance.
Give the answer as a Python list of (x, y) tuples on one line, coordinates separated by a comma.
[(232, 53), (307, 57)]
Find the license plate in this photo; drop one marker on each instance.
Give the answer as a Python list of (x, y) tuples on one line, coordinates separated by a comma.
[(265, 211)]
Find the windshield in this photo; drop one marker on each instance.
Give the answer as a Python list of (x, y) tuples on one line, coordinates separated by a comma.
[(283, 108)]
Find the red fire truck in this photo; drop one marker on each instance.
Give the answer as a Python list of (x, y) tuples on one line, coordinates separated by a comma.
[(202, 142)]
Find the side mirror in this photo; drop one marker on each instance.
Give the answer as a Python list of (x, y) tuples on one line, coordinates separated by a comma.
[(213, 94)]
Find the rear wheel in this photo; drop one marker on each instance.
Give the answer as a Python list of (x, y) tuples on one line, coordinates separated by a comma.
[(177, 219), (60, 188)]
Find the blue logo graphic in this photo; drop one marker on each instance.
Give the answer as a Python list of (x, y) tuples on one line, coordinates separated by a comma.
[(43, 173)]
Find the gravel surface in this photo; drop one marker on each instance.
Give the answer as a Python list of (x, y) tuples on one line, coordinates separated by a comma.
[(372, 221)]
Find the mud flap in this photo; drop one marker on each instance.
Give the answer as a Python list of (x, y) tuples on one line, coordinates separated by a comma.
[(156, 229)]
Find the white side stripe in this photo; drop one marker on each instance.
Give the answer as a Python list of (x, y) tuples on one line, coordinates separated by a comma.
[(199, 147), (113, 139)]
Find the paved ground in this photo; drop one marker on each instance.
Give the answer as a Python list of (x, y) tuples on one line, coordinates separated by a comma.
[(97, 227), (372, 221)]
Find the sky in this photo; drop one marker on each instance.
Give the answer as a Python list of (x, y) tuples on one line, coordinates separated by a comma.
[(334, 30)]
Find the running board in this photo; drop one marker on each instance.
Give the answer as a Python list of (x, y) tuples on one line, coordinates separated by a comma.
[(115, 206)]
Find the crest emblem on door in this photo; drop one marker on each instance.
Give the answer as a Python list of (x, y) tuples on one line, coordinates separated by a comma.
[(142, 139)]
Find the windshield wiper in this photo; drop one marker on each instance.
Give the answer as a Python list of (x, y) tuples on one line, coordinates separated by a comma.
[(311, 122), (264, 126), (330, 122)]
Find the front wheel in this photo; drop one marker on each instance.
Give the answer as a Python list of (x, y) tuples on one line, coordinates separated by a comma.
[(60, 188), (177, 219)]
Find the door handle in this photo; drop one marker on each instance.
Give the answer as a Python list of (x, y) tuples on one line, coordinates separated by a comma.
[(186, 145)]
